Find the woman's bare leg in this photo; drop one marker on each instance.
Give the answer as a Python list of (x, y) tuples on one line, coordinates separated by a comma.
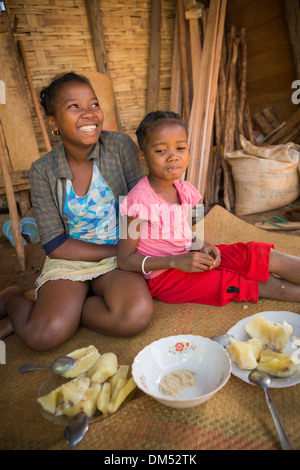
[(52, 319), (286, 286), (5, 323), (279, 289), (122, 304), (285, 266)]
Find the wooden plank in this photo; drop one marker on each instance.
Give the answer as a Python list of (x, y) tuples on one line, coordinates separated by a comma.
[(96, 29), (20, 139), (195, 41), (154, 57), (184, 64), (292, 13), (270, 116), (176, 91), (34, 97), (13, 210), (210, 105), (201, 123), (262, 123), (200, 94), (286, 129)]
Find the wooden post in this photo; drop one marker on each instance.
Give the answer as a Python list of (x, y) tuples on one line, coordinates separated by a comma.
[(230, 127), (34, 97), (176, 91), (184, 64), (292, 13), (193, 17), (210, 105), (203, 108), (154, 57), (291, 124), (200, 94), (96, 28), (12, 207)]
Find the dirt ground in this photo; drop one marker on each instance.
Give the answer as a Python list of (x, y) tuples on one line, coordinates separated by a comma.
[(11, 274)]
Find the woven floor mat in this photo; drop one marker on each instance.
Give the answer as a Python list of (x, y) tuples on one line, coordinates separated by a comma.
[(235, 418)]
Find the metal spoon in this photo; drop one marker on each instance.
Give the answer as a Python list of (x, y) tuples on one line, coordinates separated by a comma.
[(60, 365), (79, 425), (76, 430), (223, 340), (263, 380)]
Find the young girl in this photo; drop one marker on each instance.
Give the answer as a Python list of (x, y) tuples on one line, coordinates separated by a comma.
[(158, 241), (75, 191)]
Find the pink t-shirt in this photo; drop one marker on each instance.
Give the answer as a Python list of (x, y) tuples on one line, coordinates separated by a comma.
[(167, 227)]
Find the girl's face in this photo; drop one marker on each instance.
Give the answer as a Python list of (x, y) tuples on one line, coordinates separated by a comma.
[(166, 152), (78, 115)]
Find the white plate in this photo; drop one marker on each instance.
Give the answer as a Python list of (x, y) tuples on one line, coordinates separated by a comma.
[(239, 333)]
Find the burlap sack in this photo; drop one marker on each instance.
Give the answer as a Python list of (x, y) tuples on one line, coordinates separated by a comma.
[(265, 178)]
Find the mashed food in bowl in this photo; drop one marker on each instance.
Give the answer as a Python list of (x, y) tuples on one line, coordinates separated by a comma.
[(173, 382)]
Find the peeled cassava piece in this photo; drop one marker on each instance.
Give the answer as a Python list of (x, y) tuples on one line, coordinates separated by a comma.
[(277, 364), (85, 359), (105, 366), (272, 334), (245, 353), (49, 402), (97, 383)]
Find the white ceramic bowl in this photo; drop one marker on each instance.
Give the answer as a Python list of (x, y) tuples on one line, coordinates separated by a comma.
[(206, 358)]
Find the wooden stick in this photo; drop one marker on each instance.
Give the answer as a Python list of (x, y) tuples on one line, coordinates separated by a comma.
[(242, 97), (229, 128), (94, 16), (292, 13), (200, 96), (248, 123), (210, 105), (154, 57), (176, 91), (270, 116), (186, 97), (12, 207), (217, 164), (34, 97), (195, 41), (286, 129)]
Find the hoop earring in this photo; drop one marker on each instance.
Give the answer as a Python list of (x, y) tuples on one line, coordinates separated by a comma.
[(55, 133)]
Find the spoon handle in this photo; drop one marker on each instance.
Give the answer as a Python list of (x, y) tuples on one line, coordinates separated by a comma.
[(28, 367), (285, 443)]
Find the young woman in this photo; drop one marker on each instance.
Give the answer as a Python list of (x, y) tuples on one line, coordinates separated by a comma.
[(75, 193), (157, 239)]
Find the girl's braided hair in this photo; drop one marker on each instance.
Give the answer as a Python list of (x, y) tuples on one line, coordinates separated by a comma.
[(153, 120), (49, 93)]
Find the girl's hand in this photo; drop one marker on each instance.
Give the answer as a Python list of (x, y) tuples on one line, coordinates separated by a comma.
[(193, 261), (212, 251)]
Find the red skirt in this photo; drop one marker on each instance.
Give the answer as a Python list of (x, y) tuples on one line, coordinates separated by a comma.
[(243, 266)]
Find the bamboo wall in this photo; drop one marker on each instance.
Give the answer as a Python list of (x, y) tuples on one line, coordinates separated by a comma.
[(56, 37)]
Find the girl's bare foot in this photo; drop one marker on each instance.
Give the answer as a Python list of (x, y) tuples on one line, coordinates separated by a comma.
[(5, 296), (6, 328)]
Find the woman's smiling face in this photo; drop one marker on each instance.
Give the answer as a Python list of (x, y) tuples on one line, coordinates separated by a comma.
[(78, 115)]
